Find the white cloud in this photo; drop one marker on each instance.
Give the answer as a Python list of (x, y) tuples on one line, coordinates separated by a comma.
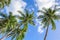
[(40, 30), (45, 3), (17, 5), (40, 26)]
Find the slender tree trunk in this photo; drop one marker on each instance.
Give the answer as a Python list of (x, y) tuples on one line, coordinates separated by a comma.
[(5, 36), (46, 33)]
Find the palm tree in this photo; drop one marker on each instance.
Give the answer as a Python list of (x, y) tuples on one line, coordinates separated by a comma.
[(25, 19), (48, 18), (4, 2), (7, 23), (18, 32)]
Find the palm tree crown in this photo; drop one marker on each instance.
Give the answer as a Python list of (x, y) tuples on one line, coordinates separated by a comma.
[(7, 22), (48, 18)]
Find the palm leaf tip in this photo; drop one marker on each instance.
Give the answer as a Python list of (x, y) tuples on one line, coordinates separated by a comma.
[(53, 25), (32, 22), (41, 16), (21, 13)]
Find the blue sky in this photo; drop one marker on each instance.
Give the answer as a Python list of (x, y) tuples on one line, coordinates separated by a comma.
[(36, 33), (33, 34)]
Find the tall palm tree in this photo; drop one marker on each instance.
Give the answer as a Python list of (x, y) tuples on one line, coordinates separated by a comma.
[(26, 18), (18, 32), (7, 23), (4, 2), (48, 18)]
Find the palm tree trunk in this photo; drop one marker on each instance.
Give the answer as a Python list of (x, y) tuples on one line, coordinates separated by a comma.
[(46, 33), (5, 36)]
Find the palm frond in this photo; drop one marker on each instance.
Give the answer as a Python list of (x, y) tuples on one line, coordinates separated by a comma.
[(3, 15), (41, 16), (53, 24), (27, 13), (32, 22), (45, 9), (4, 2), (25, 27), (22, 13), (41, 11)]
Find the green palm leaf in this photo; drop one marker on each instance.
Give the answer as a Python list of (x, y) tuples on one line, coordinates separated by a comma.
[(41, 16), (4, 2), (21, 13), (53, 24), (32, 22)]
